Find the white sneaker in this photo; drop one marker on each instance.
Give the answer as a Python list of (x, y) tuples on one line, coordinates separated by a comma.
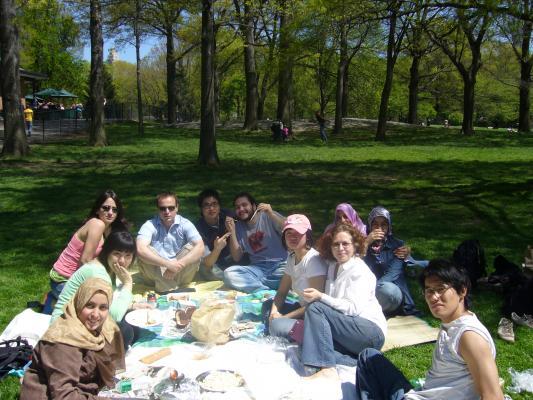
[(505, 330), (526, 320)]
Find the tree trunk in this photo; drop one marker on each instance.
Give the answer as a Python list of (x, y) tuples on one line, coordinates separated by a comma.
[(15, 142), (285, 70), (387, 86), (414, 79), (250, 118), (345, 91), (207, 154), (97, 134), (469, 82), (140, 126), (261, 100), (171, 77), (525, 104), (343, 61), (525, 80)]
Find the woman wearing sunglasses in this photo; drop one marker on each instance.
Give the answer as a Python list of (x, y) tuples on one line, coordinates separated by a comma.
[(105, 216)]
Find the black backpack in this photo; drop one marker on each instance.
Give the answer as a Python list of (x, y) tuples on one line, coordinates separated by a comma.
[(14, 354), (471, 256)]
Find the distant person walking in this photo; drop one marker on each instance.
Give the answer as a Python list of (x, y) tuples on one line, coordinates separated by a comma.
[(322, 124), (28, 120)]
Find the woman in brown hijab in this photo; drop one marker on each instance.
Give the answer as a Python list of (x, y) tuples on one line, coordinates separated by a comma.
[(80, 352)]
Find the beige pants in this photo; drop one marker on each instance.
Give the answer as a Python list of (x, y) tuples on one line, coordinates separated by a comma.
[(152, 273)]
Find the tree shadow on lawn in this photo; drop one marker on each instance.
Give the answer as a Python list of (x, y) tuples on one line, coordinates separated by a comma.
[(435, 205)]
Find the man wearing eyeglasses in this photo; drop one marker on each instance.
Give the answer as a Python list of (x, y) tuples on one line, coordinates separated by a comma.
[(169, 247), (212, 228)]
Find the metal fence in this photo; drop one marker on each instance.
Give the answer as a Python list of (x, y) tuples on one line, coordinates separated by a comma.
[(53, 124)]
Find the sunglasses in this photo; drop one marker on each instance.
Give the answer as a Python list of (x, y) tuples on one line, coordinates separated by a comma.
[(169, 208), (114, 210)]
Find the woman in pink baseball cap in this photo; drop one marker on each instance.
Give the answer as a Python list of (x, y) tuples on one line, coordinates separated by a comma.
[(305, 269)]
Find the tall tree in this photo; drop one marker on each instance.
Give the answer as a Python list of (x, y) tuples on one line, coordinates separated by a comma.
[(137, 34), (397, 27), (518, 34), (285, 66), (418, 45), (246, 24), (461, 34), (163, 17), (14, 133), (207, 154), (97, 134), (269, 34)]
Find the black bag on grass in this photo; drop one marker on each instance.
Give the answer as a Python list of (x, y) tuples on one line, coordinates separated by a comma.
[(471, 256), (14, 354)]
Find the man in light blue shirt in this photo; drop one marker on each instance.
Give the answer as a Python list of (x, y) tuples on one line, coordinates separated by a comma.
[(168, 247)]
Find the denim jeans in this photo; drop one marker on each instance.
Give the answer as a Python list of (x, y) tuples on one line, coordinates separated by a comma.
[(378, 379), (279, 326), (331, 338), (52, 296), (323, 135), (389, 296), (249, 278)]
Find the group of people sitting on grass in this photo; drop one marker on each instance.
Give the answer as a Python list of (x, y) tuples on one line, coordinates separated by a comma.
[(347, 285)]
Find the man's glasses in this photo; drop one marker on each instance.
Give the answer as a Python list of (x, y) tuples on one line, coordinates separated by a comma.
[(439, 291), (169, 208), (106, 208), (207, 206), (338, 245)]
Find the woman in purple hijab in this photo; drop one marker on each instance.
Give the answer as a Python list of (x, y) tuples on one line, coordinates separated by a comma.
[(345, 214)]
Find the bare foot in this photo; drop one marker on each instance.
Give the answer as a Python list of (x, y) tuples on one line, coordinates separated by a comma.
[(325, 373)]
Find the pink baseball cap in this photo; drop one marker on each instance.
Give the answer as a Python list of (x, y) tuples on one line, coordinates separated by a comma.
[(298, 222)]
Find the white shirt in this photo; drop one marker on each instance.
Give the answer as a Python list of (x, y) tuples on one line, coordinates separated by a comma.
[(449, 377), (311, 265), (354, 292)]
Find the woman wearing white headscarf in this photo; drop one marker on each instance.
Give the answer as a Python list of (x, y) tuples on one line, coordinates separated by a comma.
[(80, 352)]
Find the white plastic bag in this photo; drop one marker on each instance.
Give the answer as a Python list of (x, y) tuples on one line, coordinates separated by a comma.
[(522, 381), (29, 325)]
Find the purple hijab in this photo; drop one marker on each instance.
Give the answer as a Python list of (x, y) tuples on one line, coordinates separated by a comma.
[(348, 210)]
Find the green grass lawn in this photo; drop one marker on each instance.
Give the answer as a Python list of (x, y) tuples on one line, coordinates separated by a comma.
[(441, 188)]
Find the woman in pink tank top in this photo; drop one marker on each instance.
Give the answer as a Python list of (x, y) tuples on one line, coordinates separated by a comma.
[(106, 215)]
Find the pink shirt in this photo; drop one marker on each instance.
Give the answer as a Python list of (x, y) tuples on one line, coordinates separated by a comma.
[(69, 260)]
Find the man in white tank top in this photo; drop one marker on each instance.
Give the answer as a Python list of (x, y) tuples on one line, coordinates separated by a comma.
[(463, 366)]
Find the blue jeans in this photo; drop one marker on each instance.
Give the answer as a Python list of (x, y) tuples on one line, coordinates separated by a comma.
[(280, 326), (52, 296), (249, 278), (323, 135), (389, 296), (378, 379), (331, 338), (29, 125)]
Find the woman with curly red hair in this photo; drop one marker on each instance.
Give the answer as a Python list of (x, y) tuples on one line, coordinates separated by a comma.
[(347, 317)]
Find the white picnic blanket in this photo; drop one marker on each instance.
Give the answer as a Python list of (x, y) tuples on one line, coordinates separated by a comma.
[(270, 370)]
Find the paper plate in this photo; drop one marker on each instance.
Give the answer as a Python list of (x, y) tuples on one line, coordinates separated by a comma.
[(145, 318)]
